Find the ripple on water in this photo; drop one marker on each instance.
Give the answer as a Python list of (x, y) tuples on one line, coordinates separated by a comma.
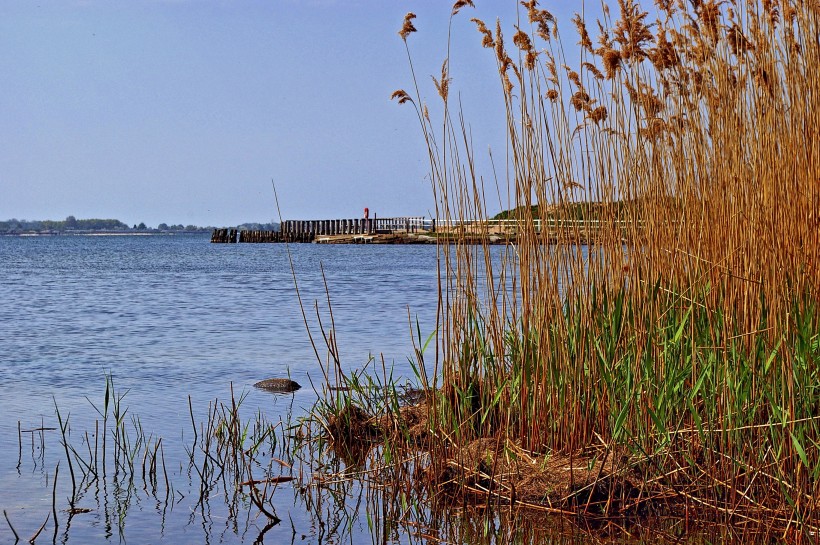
[(175, 316)]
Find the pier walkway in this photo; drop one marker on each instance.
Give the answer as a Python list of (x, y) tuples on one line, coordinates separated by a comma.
[(418, 230)]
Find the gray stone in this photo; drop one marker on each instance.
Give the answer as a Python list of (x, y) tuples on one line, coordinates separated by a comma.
[(278, 385)]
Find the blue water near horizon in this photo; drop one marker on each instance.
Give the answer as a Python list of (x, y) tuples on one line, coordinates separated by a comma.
[(174, 316), (176, 309)]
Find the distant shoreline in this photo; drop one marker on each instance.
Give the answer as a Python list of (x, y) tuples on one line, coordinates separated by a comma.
[(95, 226), (102, 233)]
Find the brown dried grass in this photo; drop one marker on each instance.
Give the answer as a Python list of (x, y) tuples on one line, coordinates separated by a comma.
[(699, 135)]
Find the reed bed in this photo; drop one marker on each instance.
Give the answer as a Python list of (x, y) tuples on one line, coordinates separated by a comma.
[(671, 364)]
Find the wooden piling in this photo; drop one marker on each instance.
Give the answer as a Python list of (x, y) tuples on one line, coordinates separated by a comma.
[(224, 236)]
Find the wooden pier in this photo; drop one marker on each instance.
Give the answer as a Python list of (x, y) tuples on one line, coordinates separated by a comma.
[(375, 226), (417, 230), (231, 236), (337, 230)]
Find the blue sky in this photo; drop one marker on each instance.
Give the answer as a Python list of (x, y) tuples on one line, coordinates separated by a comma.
[(183, 111)]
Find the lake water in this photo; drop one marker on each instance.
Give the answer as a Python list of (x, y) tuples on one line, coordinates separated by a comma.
[(170, 317), (176, 322)]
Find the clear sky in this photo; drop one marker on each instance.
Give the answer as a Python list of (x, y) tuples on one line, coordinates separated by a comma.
[(183, 111)]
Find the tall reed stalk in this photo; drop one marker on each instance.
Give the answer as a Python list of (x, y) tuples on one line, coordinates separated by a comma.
[(683, 339)]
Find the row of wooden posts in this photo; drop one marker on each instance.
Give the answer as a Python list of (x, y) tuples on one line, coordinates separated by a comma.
[(233, 236), (308, 230), (224, 235), (358, 226)]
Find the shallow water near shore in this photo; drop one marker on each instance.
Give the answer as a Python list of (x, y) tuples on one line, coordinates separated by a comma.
[(173, 316)]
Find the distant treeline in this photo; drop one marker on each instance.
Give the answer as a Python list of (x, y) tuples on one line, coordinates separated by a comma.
[(583, 210), (72, 224), (258, 227)]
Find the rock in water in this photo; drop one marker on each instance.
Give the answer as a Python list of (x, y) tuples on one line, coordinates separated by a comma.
[(278, 385)]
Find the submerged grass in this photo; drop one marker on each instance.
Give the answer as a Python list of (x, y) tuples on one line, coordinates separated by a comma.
[(672, 365), (228, 470)]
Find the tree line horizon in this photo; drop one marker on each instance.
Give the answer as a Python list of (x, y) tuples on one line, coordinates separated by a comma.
[(72, 224)]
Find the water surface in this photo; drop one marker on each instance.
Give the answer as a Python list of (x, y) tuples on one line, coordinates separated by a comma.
[(173, 316)]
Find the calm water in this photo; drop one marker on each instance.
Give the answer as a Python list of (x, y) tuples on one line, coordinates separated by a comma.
[(169, 317)]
